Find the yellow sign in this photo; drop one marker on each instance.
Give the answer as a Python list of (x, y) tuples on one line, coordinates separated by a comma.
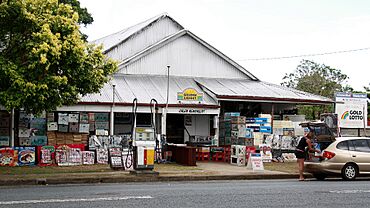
[(190, 94)]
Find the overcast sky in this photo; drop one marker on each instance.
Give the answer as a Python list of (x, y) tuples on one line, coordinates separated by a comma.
[(254, 29)]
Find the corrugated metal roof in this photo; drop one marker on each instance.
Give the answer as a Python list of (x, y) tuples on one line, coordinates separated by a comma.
[(114, 39), (243, 89), (145, 88)]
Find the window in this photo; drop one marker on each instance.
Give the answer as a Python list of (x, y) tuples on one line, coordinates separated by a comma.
[(342, 145), (361, 145), (351, 145)]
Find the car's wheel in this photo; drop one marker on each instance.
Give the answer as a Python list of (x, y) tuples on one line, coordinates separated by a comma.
[(320, 176), (349, 172)]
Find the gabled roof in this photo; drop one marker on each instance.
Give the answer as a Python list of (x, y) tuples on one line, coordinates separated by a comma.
[(175, 36), (111, 41)]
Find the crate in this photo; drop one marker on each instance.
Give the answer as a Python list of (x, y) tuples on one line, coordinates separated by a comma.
[(238, 119)]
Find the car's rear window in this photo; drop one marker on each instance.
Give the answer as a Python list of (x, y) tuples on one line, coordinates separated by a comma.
[(342, 145)]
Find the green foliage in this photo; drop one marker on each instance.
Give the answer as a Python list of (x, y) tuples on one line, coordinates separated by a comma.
[(84, 17), (317, 79), (44, 61)]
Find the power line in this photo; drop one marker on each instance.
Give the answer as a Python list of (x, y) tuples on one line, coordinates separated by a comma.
[(305, 55)]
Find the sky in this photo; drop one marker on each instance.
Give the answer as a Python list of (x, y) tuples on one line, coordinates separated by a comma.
[(248, 31)]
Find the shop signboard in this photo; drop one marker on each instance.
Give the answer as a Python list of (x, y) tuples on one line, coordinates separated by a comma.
[(26, 155), (351, 109), (190, 95), (255, 162)]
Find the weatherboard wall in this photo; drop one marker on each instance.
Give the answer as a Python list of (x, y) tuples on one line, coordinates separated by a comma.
[(144, 38), (187, 57)]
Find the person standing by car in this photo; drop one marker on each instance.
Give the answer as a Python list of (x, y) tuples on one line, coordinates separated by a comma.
[(300, 152)]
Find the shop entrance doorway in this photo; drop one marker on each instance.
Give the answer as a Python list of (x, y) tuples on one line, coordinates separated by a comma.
[(175, 128)]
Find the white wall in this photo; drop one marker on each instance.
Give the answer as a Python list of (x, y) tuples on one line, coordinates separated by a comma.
[(187, 57)]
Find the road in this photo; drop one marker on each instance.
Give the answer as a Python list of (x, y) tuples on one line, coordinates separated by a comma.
[(260, 193)]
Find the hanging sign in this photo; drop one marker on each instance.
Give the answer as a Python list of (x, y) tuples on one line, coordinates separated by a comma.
[(190, 94)]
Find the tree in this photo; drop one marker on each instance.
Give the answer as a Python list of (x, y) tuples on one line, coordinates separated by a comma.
[(84, 17), (44, 61), (317, 79)]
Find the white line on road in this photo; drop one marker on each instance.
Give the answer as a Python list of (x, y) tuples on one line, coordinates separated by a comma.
[(349, 191), (74, 200)]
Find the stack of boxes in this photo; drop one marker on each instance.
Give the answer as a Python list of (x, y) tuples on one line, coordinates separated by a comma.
[(233, 130), (260, 126), (238, 155), (57, 138), (225, 128)]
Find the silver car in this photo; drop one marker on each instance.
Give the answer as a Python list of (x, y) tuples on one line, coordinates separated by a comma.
[(346, 156)]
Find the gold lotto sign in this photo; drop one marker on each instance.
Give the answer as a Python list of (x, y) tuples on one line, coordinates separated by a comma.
[(190, 94)]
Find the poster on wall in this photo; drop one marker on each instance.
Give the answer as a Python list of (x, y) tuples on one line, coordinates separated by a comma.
[(351, 109), (102, 156), (67, 155), (47, 155), (115, 155), (26, 156), (88, 157), (265, 151), (8, 157)]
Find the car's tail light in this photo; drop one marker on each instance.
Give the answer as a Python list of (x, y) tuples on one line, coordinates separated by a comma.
[(328, 155)]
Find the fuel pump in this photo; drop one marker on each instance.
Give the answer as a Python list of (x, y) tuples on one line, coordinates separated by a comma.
[(143, 142)]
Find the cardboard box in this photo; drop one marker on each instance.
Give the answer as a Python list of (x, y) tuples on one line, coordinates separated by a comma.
[(238, 119)]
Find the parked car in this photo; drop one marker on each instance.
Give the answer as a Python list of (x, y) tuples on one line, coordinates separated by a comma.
[(346, 156)]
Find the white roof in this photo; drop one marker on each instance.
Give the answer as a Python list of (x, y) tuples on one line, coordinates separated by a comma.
[(145, 88), (243, 89)]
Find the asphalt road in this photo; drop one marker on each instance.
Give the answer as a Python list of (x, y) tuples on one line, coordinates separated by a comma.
[(262, 193)]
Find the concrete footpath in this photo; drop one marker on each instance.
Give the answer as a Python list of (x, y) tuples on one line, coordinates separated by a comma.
[(203, 171)]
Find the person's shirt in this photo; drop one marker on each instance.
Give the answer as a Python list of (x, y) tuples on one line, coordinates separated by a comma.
[(302, 144)]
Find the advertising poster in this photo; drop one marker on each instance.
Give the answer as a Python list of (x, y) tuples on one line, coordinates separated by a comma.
[(127, 159), (46, 155), (67, 155), (26, 156), (75, 156), (255, 162), (61, 157), (265, 151), (102, 156), (88, 157), (352, 110), (115, 155), (8, 157)]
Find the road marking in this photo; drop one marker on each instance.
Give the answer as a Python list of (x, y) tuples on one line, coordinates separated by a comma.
[(74, 200), (349, 191)]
